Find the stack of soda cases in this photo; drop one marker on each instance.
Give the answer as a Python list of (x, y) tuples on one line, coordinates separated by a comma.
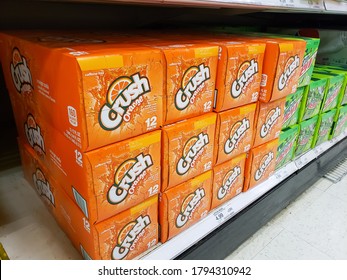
[(104, 127), (282, 70), (88, 113)]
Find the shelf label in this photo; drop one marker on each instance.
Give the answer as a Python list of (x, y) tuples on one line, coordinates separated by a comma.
[(304, 159), (286, 3), (224, 213), (281, 174)]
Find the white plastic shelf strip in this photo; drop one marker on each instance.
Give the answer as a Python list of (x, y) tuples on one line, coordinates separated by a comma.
[(310, 6), (187, 238)]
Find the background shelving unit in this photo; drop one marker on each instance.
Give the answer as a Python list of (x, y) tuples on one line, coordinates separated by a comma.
[(225, 228)]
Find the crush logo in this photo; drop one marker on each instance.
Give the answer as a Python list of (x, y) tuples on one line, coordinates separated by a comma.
[(264, 164), (228, 180), (270, 121), (237, 132), (33, 134), (42, 186), (21, 75), (127, 177), (189, 205), (123, 96), (192, 84), (192, 149), (292, 64), (244, 76), (129, 236)]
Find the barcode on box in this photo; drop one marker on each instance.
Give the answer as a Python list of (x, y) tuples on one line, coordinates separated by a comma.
[(84, 253), (80, 202)]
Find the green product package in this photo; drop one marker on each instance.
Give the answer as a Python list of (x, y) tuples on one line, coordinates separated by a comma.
[(312, 98), (335, 82), (292, 108), (307, 130), (338, 70), (286, 145), (340, 122), (324, 127)]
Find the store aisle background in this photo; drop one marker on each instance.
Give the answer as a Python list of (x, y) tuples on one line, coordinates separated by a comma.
[(314, 226)]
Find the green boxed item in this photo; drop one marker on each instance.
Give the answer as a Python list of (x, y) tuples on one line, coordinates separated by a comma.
[(324, 127), (313, 98), (338, 70), (292, 108), (340, 122), (307, 129), (286, 145), (335, 82)]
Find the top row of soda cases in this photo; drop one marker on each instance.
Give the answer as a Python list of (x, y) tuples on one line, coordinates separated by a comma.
[(98, 89)]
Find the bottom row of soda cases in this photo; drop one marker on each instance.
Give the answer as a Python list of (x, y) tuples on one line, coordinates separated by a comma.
[(135, 230)]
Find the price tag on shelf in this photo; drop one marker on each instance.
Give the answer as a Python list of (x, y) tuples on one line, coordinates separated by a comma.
[(303, 160), (286, 3), (281, 174), (333, 141), (314, 4), (223, 213)]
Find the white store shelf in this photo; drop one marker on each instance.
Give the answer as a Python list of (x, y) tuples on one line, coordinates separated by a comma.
[(307, 6)]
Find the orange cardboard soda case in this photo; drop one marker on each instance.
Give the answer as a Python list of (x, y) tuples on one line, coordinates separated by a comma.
[(190, 79), (187, 149), (228, 179), (95, 92), (281, 68), (234, 132), (105, 181), (269, 120), (239, 72), (260, 164), (184, 205), (123, 236)]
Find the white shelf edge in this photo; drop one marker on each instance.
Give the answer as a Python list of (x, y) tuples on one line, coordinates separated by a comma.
[(310, 6), (180, 243)]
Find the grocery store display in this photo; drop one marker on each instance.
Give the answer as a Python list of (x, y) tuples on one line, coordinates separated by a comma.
[(129, 144), (286, 145)]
